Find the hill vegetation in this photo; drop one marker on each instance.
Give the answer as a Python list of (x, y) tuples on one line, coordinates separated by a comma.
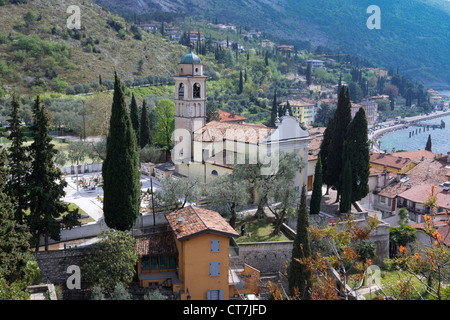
[(39, 53), (413, 37)]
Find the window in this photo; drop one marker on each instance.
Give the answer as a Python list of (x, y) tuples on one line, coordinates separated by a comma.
[(181, 92), (172, 262), (154, 263), (196, 91), (145, 263), (215, 295), (214, 268), (163, 263), (215, 245)]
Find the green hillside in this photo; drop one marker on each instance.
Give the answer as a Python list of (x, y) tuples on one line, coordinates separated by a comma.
[(414, 34), (38, 53)]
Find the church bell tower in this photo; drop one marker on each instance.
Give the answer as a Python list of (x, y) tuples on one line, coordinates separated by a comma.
[(190, 104)]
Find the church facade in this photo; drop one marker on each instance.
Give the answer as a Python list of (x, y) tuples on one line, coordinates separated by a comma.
[(206, 150)]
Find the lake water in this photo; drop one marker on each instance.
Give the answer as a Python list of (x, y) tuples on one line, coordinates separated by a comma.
[(440, 138)]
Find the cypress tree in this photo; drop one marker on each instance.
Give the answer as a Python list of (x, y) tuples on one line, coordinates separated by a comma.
[(342, 118), (14, 238), (316, 197), (323, 153), (298, 277), (241, 83), (346, 191), (45, 184), (356, 150), (428, 146), (145, 137), (121, 167), (274, 113), (134, 116), (308, 74), (18, 163)]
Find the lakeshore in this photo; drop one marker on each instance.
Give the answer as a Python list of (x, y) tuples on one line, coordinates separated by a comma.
[(390, 126)]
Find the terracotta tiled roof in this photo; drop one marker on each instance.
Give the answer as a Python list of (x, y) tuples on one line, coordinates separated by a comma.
[(241, 132), (441, 227), (419, 194), (428, 172), (191, 221), (416, 155), (226, 116), (389, 160), (156, 244), (303, 102)]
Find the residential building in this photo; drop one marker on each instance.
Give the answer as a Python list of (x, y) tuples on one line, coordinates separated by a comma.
[(190, 255), (316, 64), (370, 107), (379, 72), (303, 109), (266, 43), (409, 189), (392, 163)]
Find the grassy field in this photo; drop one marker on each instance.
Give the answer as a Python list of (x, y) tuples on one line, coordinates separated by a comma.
[(258, 230)]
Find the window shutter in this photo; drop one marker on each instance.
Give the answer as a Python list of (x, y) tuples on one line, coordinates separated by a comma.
[(221, 294), (215, 245), (214, 268)]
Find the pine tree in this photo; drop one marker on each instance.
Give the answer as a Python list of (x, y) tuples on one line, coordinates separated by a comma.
[(134, 116), (45, 184), (121, 167), (298, 276), (356, 150), (145, 137), (342, 119), (316, 197), (428, 146), (18, 163), (346, 192), (14, 238), (273, 115)]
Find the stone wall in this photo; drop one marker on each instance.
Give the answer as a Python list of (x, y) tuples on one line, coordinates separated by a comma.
[(267, 257), (53, 264)]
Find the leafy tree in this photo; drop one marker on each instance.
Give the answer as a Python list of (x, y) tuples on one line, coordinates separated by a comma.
[(298, 276), (165, 123), (316, 197), (343, 239), (178, 192), (356, 150), (145, 137), (77, 152), (121, 175), (228, 194), (428, 146), (46, 184), (18, 163), (113, 260)]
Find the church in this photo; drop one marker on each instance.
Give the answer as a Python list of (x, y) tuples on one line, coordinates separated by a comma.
[(206, 150)]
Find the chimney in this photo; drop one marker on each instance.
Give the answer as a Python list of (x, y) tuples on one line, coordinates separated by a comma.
[(232, 114)]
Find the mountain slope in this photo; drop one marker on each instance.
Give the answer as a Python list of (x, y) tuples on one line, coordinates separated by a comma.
[(414, 34), (39, 53)]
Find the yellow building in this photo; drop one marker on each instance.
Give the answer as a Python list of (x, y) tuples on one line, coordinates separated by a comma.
[(302, 109), (192, 257), (382, 161)]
